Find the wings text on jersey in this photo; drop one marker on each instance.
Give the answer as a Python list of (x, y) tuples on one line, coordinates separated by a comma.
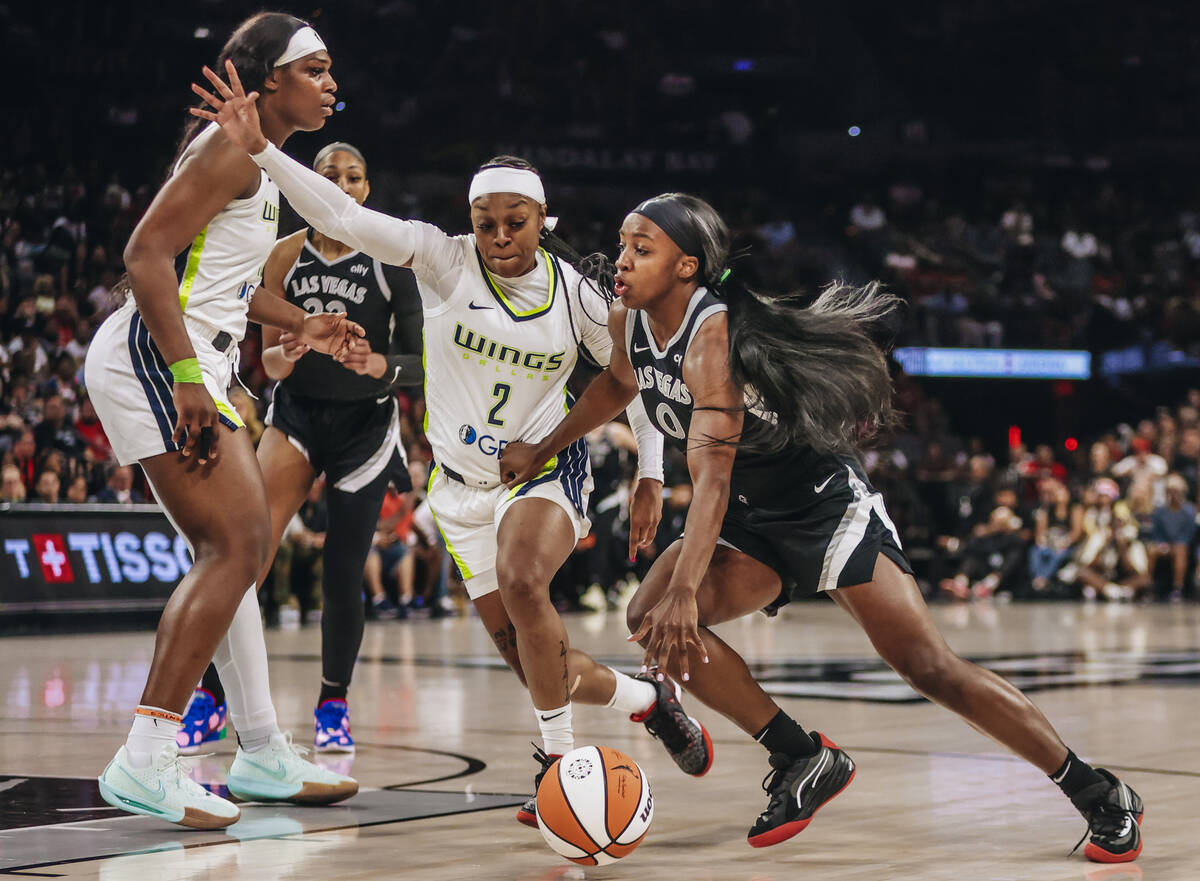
[(474, 343)]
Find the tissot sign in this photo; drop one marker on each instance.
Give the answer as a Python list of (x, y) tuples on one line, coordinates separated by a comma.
[(76, 558)]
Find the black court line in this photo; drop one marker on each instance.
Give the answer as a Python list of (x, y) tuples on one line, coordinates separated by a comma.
[(474, 765), (15, 870)]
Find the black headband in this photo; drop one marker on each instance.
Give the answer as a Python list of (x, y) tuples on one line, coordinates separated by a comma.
[(673, 219)]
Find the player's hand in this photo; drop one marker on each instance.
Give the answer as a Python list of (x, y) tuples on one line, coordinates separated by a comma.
[(645, 510), (198, 425), (364, 362), (235, 111), (671, 626), (521, 463), (332, 333), (292, 346)]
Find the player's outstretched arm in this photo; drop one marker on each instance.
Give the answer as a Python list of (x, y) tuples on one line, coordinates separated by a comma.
[(319, 201)]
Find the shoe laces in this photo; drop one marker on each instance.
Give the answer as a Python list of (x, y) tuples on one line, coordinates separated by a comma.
[(780, 763), (1105, 818)]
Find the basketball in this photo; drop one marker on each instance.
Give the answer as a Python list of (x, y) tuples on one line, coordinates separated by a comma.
[(594, 805)]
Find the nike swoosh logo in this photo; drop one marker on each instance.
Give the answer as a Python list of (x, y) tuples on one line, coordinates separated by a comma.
[(820, 487), (555, 716), (473, 306), (308, 263), (159, 793), (642, 349), (1061, 777), (279, 772)]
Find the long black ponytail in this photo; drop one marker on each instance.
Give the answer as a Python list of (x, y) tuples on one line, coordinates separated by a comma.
[(816, 367)]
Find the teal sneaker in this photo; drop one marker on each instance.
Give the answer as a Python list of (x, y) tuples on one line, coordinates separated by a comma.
[(162, 789), (279, 772)]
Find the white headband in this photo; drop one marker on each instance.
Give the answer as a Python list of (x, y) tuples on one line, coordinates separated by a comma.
[(304, 42), (507, 180)]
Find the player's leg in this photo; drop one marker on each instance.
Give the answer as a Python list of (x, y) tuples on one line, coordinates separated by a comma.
[(352, 520), (892, 612), (228, 552), (808, 768), (287, 476)]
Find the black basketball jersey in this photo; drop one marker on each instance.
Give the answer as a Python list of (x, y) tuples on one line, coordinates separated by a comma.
[(383, 299), (659, 372), (756, 475)]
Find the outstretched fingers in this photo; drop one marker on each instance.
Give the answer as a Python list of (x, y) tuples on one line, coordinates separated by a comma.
[(234, 79), (219, 84)]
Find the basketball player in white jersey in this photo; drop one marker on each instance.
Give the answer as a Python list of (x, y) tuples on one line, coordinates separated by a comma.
[(504, 323), (158, 371)]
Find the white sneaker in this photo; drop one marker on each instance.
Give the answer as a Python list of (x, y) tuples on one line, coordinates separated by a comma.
[(162, 789), (278, 772)]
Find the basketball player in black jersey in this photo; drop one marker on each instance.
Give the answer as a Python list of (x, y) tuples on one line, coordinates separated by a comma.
[(770, 401), (340, 419)]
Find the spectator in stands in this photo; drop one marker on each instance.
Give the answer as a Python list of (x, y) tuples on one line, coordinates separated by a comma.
[(388, 550), (993, 558), (24, 457), (89, 428), (12, 487), (1187, 459), (119, 487), (972, 499), (1058, 525), (1112, 559), (1142, 470), (47, 487), (77, 490), (56, 432), (1173, 528)]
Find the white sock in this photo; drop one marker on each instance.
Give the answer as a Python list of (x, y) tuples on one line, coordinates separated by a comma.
[(558, 738), (632, 696), (152, 729), (241, 662)]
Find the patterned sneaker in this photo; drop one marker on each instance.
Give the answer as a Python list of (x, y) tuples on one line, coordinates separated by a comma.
[(1114, 815), (332, 720), (684, 737), (279, 772), (527, 813), (203, 723), (798, 788), (163, 790)]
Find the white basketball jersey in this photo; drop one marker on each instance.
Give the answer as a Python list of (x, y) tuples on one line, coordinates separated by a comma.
[(219, 271), (496, 365)]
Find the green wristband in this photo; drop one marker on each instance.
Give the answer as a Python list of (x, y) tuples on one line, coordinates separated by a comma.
[(187, 370)]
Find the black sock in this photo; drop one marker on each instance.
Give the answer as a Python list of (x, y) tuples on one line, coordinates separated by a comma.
[(212, 684), (783, 735), (1075, 775), (331, 691)]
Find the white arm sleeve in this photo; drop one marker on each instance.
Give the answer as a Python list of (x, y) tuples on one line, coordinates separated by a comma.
[(331, 212), (649, 441)]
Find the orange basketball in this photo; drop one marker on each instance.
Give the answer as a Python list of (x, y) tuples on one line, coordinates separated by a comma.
[(594, 805)]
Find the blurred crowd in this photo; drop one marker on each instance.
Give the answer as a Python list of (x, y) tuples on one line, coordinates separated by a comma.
[(1111, 517)]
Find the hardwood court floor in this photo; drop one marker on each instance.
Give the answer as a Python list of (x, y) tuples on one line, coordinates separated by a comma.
[(433, 714)]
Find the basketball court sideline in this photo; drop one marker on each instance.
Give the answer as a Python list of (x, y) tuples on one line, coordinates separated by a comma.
[(445, 757)]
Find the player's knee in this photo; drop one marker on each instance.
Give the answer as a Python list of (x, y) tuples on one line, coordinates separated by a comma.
[(635, 612), (526, 592), (932, 672)]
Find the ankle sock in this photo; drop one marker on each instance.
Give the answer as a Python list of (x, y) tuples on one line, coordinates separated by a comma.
[(783, 735), (152, 729), (558, 736), (632, 696), (1075, 775)]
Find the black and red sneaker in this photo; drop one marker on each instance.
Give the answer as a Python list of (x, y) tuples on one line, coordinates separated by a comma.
[(684, 737), (1114, 815), (798, 787), (527, 813)]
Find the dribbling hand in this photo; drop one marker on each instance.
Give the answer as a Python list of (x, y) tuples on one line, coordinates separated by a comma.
[(672, 625), (235, 111)]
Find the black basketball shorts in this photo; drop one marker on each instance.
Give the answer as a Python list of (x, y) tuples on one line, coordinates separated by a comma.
[(819, 529), (354, 443)]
